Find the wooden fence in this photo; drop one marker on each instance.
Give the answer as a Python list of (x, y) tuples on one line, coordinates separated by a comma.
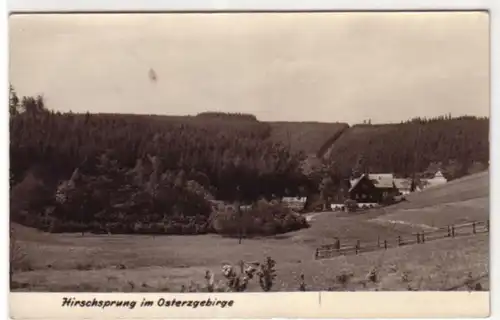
[(452, 231)]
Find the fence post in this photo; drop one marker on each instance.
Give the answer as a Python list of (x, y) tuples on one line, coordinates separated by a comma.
[(418, 237), (453, 231), (338, 245), (357, 247), (449, 231), (385, 244), (399, 240), (423, 236), (474, 228), (316, 254)]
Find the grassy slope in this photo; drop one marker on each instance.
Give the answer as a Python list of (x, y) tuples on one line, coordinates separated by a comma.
[(458, 201), (309, 137), (434, 266), (437, 265), (60, 262), (475, 186)]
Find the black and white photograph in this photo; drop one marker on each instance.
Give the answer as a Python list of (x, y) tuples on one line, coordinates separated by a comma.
[(249, 152)]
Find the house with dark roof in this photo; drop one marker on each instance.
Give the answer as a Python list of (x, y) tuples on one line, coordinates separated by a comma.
[(373, 188)]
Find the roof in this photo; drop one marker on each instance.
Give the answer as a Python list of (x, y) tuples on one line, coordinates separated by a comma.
[(439, 175), (402, 183), (380, 176), (354, 182), (382, 180)]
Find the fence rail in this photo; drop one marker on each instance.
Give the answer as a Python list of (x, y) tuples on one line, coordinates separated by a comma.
[(452, 231)]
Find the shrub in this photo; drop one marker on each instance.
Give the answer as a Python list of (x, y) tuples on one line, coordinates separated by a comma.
[(263, 218), (209, 277), (238, 282), (302, 285), (111, 200), (26, 198), (344, 278), (226, 221), (238, 278), (351, 205), (373, 275), (267, 274), (198, 189)]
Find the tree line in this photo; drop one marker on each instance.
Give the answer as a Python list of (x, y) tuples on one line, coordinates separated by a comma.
[(458, 145), (125, 169)]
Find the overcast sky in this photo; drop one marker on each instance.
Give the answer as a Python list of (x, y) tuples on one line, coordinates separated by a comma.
[(329, 67)]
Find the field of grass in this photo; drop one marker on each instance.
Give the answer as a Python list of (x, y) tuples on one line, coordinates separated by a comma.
[(471, 187), (438, 265), (460, 201), (72, 262)]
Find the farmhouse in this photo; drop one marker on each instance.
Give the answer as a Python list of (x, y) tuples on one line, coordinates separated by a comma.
[(373, 188), (437, 180)]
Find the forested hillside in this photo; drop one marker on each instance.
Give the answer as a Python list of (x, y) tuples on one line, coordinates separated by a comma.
[(150, 173), (455, 145), (149, 169), (228, 155)]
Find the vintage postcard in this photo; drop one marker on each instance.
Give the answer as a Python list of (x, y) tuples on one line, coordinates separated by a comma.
[(237, 165)]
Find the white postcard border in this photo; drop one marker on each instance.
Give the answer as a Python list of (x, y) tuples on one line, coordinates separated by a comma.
[(199, 5), (254, 305)]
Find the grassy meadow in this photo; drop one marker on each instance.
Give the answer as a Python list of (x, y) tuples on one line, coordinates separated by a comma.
[(76, 262)]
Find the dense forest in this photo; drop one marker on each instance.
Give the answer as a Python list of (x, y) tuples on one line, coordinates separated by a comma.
[(155, 169), (124, 173), (455, 145)]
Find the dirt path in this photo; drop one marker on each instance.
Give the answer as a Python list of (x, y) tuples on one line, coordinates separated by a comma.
[(406, 223)]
